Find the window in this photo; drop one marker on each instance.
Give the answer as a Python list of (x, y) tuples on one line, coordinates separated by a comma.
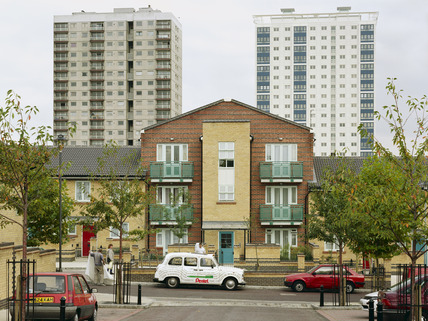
[(72, 229), (83, 190), (281, 152), (226, 172), (165, 237), (171, 152), (329, 246), (286, 238), (281, 196), (226, 154), (115, 233), (170, 195)]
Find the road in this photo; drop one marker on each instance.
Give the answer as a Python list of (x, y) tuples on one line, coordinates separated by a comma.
[(272, 294), (210, 314)]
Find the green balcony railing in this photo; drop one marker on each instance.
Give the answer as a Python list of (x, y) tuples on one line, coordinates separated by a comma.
[(168, 213), (272, 170), (180, 170), (289, 213)]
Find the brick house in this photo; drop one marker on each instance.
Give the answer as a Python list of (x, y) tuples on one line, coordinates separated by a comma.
[(240, 166)]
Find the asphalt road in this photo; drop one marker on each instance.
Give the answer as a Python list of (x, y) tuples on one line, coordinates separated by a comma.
[(276, 294), (209, 313)]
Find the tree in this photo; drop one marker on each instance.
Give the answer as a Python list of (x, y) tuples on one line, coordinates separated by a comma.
[(24, 154), (120, 194), (328, 219), (43, 223), (402, 194)]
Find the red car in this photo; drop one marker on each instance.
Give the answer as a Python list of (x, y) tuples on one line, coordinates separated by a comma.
[(47, 289), (397, 300), (326, 275)]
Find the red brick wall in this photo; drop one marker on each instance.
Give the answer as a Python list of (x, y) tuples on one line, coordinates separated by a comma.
[(264, 128)]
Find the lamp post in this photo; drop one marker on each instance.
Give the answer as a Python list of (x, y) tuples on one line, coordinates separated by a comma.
[(60, 140)]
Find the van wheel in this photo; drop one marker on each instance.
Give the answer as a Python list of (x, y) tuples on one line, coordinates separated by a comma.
[(230, 284), (172, 283)]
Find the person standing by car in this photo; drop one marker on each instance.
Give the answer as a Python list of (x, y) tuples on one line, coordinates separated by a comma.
[(199, 248), (110, 258), (99, 266)]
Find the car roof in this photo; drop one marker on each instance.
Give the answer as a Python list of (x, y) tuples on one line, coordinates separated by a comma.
[(187, 254), (55, 273)]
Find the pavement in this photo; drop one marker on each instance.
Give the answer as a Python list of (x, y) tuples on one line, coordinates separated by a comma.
[(105, 300)]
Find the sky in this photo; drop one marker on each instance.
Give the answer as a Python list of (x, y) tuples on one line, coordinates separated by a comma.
[(218, 47)]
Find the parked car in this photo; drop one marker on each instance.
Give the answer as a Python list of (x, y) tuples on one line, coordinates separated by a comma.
[(364, 301), (397, 300), (199, 269), (326, 275), (46, 291)]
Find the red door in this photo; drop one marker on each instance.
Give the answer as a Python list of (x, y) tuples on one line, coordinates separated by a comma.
[(86, 239)]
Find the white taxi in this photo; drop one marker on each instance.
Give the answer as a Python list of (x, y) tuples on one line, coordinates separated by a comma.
[(189, 268)]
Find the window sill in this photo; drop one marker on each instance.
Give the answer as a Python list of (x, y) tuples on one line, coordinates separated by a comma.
[(226, 203)]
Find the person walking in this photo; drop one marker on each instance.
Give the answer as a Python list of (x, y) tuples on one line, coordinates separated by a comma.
[(99, 267), (110, 258)]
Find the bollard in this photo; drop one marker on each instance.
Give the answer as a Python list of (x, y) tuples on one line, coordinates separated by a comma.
[(139, 294), (322, 296), (371, 310), (62, 309), (380, 311)]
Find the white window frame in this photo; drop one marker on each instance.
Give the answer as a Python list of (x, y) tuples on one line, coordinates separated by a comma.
[(281, 152), (72, 229), (291, 195), (83, 191), (162, 151), (226, 171), (163, 191), (271, 236), (331, 246), (161, 238), (114, 232)]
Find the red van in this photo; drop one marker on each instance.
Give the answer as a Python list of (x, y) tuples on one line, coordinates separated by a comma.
[(47, 289)]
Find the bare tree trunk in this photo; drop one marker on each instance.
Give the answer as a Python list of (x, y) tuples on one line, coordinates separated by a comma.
[(23, 282), (342, 281)]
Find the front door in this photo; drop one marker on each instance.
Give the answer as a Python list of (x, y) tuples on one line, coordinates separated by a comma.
[(86, 239), (226, 248)]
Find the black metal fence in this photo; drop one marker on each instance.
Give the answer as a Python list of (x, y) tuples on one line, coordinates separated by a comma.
[(401, 298), (17, 275)]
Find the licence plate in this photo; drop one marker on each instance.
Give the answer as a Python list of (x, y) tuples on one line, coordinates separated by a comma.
[(43, 299)]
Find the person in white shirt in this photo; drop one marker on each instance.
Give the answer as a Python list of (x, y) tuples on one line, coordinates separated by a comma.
[(199, 248)]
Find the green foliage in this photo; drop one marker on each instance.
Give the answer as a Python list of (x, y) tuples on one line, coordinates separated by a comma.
[(391, 189), (25, 180), (290, 253), (43, 212), (396, 195), (329, 220)]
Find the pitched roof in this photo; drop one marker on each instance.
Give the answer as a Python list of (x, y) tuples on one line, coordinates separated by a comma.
[(83, 160), (322, 163), (221, 101)]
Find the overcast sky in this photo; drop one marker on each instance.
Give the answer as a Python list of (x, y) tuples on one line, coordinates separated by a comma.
[(218, 46)]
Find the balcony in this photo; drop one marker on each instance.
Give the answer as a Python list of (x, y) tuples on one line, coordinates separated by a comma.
[(171, 172), (167, 214), (163, 24), (281, 214), (281, 172)]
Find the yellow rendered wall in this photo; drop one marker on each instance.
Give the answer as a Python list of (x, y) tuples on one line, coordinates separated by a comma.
[(11, 232), (213, 133)]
